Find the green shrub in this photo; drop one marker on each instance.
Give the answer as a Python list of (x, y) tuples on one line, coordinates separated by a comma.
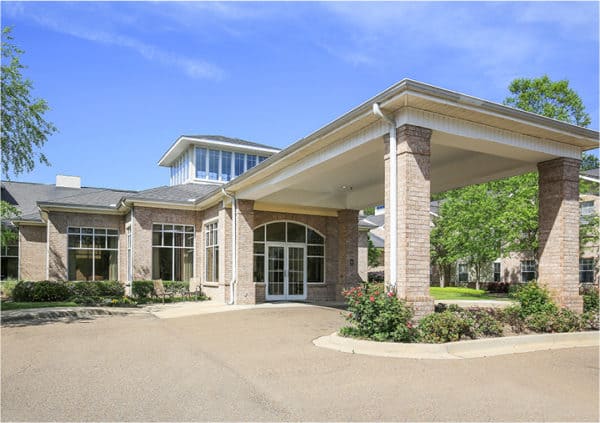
[(176, 286), (23, 292), (84, 289), (50, 291), (447, 326), (534, 299), (142, 289), (111, 289), (6, 288), (590, 320), (554, 320), (513, 316), (86, 300), (375, 315), (482, 323), (591, 299)]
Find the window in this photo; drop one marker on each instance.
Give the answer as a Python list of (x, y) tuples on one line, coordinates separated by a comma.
[(129, 254), (291, 232), (586, 270), (201, 158), (9, 266), (213, 164), (225, 165), (463, 273), (211, 236), (93, 254), (172, 252), (497, 273), (250, 161), (586, 210), (261, 159), (528, 270), (239, 164)]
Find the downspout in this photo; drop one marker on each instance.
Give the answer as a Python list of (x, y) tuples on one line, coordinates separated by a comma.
[(233, 246), (393, 194)]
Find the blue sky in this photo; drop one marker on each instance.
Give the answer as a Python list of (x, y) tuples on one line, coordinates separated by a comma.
[(124, 80)]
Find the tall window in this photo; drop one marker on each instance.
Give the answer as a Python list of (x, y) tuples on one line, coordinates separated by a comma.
[(93, 254), (528, 269), (463, 272), (497, 274), (129, 254), (211, 236), (9, 267), (225, 165), (291, 232), (172, 252), (239, 164), (586, 270), (261, 159), (213, 164), (201, 157)]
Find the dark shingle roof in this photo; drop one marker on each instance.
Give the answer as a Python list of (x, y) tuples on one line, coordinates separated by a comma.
[(229, 140), (592, 173), (26, 195), (175, 193)]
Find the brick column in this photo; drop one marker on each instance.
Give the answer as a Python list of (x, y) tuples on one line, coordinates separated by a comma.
[(347, 251), (559, 230), (413, 199), (245, 290)]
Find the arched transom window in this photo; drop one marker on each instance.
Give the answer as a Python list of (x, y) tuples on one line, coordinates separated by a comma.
[(290, 233)]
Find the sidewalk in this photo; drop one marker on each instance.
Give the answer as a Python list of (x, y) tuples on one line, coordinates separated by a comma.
[(12, 316)]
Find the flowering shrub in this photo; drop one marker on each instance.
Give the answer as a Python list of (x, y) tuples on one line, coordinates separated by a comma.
[(446, 326), (377, 315)]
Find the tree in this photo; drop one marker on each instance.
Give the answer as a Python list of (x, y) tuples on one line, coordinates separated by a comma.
[(373, 254), (24, 129), (500, 217), (553, 99)]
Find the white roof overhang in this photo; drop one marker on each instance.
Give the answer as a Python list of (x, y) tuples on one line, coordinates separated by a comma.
[(473, 141)]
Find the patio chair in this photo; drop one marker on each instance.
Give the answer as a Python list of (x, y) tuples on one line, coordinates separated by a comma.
[(160, 291)]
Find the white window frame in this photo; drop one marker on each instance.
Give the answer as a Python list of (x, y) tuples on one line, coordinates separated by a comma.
[(209, 227), (525, 268), (93, 248), (174, 247)]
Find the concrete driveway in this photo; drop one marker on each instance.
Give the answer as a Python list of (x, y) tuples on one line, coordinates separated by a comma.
[(260, 364)]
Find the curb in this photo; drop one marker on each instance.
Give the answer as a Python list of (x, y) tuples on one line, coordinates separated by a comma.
[(57, 313), (463, 349)]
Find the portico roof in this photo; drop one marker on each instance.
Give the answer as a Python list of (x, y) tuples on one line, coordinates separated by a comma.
[(473, 141)]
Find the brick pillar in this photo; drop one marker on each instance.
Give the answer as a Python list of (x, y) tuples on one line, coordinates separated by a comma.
[(559, 231), (245, 290), (347, 251), (413, 199)]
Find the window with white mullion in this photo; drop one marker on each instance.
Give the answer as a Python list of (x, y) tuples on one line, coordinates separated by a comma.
[(92, 253), (172, 251)]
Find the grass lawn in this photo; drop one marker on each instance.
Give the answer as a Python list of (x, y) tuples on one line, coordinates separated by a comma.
[(18, 306), (457, 293)]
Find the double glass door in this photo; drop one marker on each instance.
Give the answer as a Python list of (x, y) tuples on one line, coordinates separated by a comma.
[(286, 271)]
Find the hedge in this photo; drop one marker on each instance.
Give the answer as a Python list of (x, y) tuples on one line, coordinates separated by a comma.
[(63, 291)]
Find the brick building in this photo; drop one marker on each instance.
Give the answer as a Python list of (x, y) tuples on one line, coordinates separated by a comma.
[(249, 223)]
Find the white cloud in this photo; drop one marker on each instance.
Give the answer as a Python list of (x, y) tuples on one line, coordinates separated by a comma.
[(193, 67)]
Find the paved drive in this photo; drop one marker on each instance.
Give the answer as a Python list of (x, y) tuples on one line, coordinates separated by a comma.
[(261, 365)]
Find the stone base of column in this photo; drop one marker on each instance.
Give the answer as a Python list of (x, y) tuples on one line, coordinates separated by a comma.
[(422, 306), (568, 298)]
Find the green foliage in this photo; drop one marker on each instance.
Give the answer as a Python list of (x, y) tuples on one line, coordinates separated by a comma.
[(24, 128), (374, 254), (79, 292), (553, 99), (591, 300), (512, 316), (589, 230), (377, 315), (369, 211), (589, 161), (110, 289), (6, 288), (553, 320), (590, 320), (446, 326), (533, 299), (142, 289), (176, 287)]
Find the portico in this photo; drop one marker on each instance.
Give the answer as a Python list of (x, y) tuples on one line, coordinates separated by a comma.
[(444, 140)]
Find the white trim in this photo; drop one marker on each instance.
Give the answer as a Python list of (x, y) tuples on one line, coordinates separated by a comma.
[(48, 250)]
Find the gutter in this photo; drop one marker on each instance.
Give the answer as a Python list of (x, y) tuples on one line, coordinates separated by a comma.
[(393, 211), (233, 281), (589, 178)]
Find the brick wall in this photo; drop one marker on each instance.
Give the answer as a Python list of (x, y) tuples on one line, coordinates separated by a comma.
[(58, 222), (32, 252)]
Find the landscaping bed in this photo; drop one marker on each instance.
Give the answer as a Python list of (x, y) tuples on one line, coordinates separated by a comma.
[(21, 295), (380, 316)]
